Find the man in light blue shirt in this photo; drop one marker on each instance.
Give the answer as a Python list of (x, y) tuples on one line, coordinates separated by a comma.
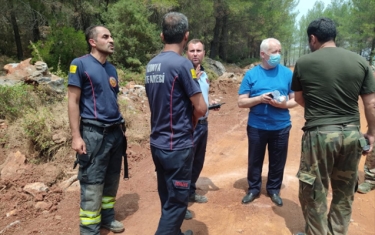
[(195, 53)]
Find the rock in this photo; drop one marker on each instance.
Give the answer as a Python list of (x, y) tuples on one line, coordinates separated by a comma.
[(14, 166), (41, 66), (12, 212), (3, 126), (10, 67), (139, 87), (35, 189), (74, 187), (18, 68), (43, 205), (59, 138), (215, 66), (65, 184), (226, 75), (33, 74), (51, 174), (130, 85)]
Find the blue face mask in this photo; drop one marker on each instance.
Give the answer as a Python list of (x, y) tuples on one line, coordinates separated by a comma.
[(274, 60)]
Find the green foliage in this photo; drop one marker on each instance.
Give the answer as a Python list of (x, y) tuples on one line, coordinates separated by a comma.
[(136, 39), (247, 61), (63, 44), (3, 139), (362, 27), (355, 23), (61, 73), (14, 100), (35, 53), (126, 75), (37, 125)]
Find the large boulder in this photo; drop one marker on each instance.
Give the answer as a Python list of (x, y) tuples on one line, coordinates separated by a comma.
[(36, 74), (215, 66), (14, 166)]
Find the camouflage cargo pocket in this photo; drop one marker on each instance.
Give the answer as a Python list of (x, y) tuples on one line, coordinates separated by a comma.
[(306, 186), (306, 177)]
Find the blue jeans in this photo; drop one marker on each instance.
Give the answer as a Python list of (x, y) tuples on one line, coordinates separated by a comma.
[(173, 169), (277, 143)]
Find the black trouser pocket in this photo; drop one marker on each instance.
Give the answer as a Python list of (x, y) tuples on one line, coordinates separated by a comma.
[(84, 162), (93, 140)]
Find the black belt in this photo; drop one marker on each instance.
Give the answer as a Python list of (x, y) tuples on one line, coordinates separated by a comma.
[(99, 126), (203, 121), (339, 127)]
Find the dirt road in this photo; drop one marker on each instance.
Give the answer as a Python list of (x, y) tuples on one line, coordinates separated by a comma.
[(223, 181)]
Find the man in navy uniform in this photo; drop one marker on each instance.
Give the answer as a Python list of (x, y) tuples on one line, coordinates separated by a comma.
[(97, 132), (176, 103)]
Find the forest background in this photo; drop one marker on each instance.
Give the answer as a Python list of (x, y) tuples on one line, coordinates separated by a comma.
[(53, 30)]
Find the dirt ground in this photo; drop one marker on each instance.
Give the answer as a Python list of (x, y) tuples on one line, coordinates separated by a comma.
[(223, 181)]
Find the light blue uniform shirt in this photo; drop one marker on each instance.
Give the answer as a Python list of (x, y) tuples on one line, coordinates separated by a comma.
[(205, 87)]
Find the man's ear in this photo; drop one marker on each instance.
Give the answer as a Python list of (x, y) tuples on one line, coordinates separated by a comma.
[(313, 39), (186, 37), (162, 37), (262, 53), (92, 42)]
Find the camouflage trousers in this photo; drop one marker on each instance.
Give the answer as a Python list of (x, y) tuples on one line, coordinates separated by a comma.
[(330, 154), (370, 167)]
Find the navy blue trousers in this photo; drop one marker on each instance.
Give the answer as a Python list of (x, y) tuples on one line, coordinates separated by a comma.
[(173, 169), (277, 143), (200, 144)]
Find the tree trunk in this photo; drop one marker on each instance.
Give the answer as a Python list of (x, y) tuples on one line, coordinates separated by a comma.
[(215, 43), (286, 57), (372, 50), (223, 42), (17, 37), (36, 32), (106, 5)]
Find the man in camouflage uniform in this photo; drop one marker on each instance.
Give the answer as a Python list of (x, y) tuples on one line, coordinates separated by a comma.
[(327, 83)]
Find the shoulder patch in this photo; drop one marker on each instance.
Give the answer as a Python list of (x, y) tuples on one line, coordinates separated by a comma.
[(193, 74), (112, 81), (73, 69)]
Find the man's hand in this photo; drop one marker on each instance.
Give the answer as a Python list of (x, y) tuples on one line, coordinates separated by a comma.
[(265, 98), (371, 142), (276, 104), (198, 71), (215, 102), (79, 145)]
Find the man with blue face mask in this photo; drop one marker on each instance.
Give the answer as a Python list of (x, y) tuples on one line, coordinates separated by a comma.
[(265, 89)]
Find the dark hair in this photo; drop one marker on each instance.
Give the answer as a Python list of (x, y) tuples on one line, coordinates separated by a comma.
[(174, 26), (194, 41), (91, 33), (323, 29)]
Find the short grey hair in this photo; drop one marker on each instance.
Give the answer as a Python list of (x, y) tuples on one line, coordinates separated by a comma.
[(174, 27), (265, 45)]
